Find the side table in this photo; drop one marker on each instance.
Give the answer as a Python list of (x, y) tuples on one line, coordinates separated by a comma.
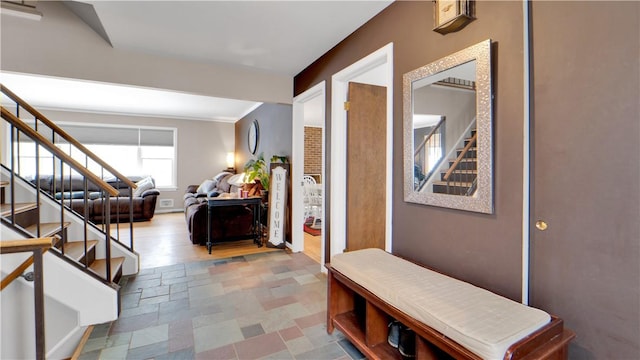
[(221, 201)]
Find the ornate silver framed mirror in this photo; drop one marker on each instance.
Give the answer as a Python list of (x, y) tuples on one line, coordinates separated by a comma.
[(447, 131)]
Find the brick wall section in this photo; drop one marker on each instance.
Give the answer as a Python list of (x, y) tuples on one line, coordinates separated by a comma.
[(312, 150)]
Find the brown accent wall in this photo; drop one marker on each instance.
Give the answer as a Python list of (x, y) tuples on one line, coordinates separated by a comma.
[(586, 172), (275, 133), (596, 291), (312, 150), (482, 249)]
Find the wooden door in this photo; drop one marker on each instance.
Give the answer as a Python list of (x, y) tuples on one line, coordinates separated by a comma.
[(366, 166), (586, 171)]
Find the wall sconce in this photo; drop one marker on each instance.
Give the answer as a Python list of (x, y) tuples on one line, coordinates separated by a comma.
[(231, 162)]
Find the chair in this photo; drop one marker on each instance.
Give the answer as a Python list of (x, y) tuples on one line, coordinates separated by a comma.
[(311, 203), (315, 203), (308, 179)]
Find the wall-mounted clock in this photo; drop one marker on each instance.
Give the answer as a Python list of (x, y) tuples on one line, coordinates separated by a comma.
[(253, 136)]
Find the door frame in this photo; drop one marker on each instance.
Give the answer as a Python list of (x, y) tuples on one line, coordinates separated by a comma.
[(382, 57), (297, 157)]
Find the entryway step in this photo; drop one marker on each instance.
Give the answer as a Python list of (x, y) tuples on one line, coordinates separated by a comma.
[(5, 210), (99, 266), (47, 229)]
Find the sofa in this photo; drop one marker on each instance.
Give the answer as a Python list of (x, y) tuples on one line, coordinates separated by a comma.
[(72, 192), (228, 223)]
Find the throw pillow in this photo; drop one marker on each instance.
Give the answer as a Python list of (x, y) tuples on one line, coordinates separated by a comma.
[(237, 180), (221, 175), (143, 185), (206, 186), (223, 184)]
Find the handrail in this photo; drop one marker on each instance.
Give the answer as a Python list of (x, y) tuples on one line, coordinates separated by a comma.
[(17, 246), (41, 140), (428, 137), (66, 136), (453, 167)]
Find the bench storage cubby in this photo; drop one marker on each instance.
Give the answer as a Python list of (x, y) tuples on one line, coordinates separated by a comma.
[(369, 288)]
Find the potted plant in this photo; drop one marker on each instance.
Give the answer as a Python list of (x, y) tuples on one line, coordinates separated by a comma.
[(256, 169)]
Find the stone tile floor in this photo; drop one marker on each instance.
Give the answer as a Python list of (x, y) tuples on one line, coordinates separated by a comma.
[(261, 306)]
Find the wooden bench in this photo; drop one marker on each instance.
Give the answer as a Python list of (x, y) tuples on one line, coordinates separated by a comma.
[(369, 288)]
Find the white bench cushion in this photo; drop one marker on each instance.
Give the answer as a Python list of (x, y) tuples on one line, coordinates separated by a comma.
[(481, 321)]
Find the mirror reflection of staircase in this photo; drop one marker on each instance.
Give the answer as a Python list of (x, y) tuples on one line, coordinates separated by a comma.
[(460, 178)]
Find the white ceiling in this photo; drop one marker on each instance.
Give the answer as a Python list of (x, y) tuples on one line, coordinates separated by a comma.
[(281, 37), (277, 36), (48, 93)]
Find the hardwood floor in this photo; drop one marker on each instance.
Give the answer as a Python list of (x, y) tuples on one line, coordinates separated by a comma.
[(165, 241), (312, 247)]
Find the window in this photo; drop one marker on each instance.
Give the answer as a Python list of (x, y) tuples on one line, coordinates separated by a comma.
[(130, 150)]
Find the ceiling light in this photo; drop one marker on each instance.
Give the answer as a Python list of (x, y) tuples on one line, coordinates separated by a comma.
[(20, 9)]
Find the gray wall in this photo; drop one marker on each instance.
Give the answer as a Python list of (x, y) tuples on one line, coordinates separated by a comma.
[(275, 121), (201, 146), (486, 250)]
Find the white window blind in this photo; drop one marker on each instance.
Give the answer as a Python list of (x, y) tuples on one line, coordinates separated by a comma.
[(92, 135)]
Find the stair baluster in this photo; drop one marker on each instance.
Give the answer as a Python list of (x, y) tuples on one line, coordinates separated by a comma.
[(20, 130)]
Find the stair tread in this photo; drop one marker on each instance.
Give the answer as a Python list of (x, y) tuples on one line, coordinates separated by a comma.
[(20, 207), (453, 183), (46, 229), (75, 249), (99, 266), (464, 171), (465, 159), (4, 183)]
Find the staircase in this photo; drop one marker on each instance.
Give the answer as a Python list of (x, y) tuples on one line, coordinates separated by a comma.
[(86, 261), (78, 251), (460, 177)]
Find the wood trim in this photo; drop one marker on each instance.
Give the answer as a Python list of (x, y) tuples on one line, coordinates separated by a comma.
[(460, 157), (66, 136), (16, 246), (41, 140), (83, 342)]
